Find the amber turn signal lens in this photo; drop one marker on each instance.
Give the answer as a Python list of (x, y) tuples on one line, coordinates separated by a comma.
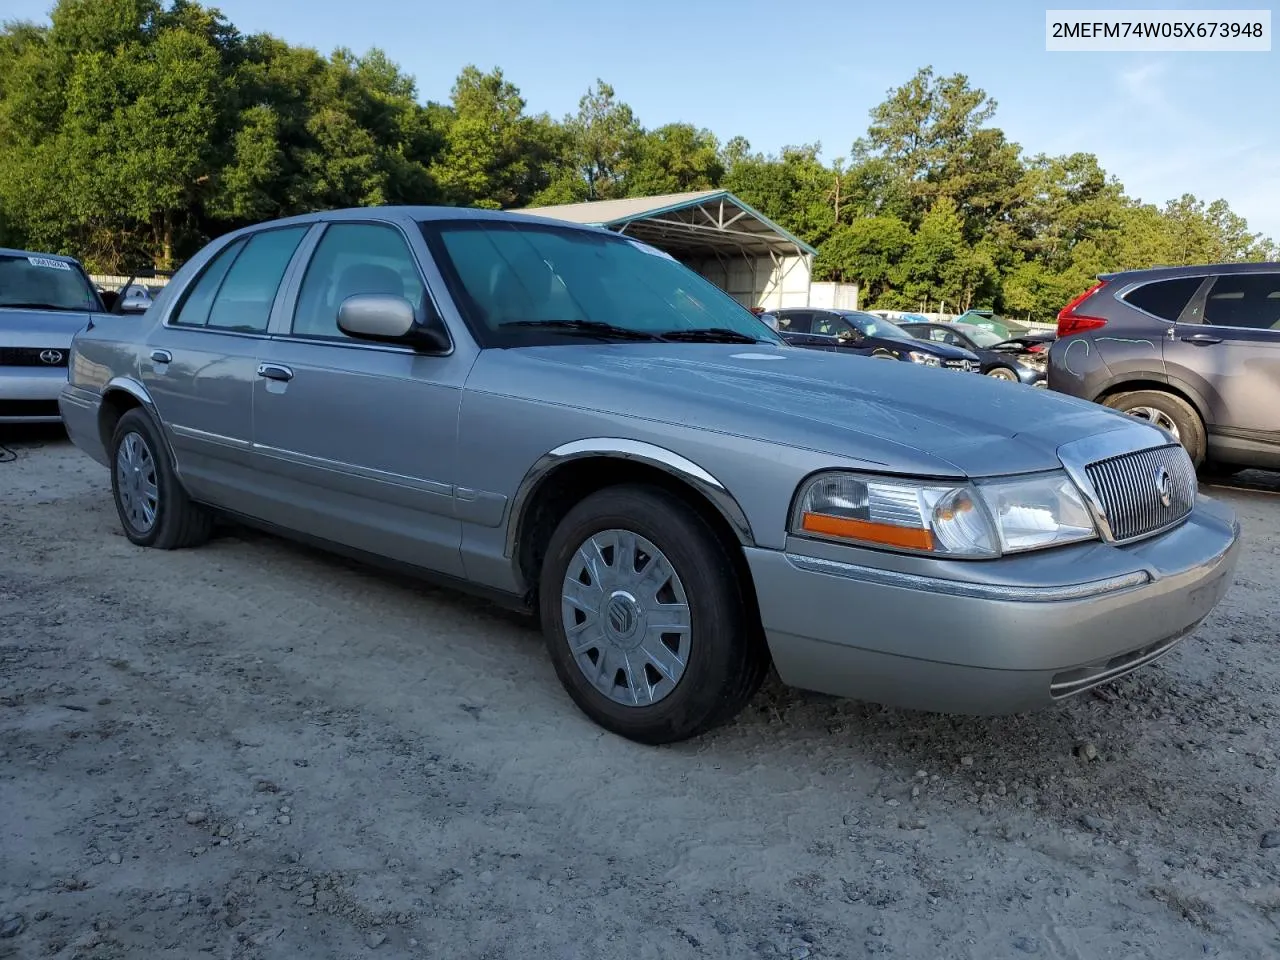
[(883, 533)]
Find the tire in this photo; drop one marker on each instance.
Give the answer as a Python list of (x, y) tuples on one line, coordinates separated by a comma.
[(174, 521), (1169, 411), (1003, 373), (717, 654)]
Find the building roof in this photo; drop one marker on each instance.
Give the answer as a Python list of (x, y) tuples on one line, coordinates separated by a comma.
[(684, 223)]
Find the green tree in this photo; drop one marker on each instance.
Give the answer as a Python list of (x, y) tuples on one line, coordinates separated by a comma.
[(672, 159), (868, 252)]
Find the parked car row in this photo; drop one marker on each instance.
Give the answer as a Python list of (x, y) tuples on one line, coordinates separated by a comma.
[(573, 423)]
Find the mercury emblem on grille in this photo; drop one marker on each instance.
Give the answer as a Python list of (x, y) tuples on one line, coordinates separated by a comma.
[(1164, 487)]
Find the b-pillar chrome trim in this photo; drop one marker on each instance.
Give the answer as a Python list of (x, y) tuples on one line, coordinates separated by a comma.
[(618, 448)]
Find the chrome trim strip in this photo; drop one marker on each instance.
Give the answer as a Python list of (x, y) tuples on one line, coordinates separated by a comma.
[(353, 470), (1069, 688), (959, 588), (619, 448), (204, 436)]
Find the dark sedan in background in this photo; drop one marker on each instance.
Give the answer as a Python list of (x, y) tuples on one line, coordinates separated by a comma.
[(854, 331), (999, 358)]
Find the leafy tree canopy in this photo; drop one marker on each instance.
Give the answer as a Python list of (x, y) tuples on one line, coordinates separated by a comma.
[(132, 131)]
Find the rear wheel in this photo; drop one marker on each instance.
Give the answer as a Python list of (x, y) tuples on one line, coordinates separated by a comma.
[(153, 508), (1168, 411), (645, 617)]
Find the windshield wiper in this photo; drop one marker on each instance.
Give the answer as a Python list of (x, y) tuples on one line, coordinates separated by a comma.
[(710, 335), (586, 328), (33, 305)]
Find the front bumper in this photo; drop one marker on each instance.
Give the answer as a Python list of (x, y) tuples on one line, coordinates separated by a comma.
[(30, 394), (991, 646)]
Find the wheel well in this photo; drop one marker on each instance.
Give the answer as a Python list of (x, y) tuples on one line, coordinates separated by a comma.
[(115, 404), (1130, 386), (568, 484)]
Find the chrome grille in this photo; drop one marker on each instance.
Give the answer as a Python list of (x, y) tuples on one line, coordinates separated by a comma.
[(1129, 487)]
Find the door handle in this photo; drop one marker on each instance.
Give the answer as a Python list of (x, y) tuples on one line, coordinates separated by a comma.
[(274, 371), (161, 356), (1202, 339)]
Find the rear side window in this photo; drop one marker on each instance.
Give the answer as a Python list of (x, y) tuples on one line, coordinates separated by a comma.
[(194, 311), (1249, 300), (1165, 299), (795, 321), (243, 302)]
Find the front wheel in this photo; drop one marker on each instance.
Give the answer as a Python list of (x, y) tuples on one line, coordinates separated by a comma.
[(153, 508), (1002, 373), (645, 617), (1168, 411)]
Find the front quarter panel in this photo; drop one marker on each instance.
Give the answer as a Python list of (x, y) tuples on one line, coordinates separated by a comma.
[(503, 438)]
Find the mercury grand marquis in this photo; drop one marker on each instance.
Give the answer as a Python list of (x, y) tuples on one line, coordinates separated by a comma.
[(575, 423)]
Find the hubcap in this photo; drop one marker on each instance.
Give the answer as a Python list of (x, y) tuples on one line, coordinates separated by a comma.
[(136, 482), (1158, 417), (626, 618)]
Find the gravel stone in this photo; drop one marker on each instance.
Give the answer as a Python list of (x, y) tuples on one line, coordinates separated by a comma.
[(376, 939), (196, 816), (1270, 840), (1095, 823), (115, 858), (1027, 944), (12, 925)]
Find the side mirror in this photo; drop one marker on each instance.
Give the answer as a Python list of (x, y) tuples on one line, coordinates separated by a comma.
[(384, 318), (848, 336)]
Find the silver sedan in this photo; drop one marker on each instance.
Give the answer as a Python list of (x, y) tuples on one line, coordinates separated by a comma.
[(44, 300), (575, 424)]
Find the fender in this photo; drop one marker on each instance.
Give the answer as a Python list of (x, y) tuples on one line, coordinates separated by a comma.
[(136, 390), (619, 448), (1179, 385)]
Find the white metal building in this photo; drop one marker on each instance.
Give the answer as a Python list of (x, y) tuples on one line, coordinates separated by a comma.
[(734, 246)]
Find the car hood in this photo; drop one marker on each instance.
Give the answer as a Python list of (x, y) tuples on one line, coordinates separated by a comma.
[(894, 416), (944, 350), (40, 328)]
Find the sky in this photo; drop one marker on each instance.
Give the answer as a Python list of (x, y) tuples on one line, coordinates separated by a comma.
[(779, 74)]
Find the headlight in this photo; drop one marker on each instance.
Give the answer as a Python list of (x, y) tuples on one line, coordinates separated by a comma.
[(928, 359), (943, 518), (1038, 511)]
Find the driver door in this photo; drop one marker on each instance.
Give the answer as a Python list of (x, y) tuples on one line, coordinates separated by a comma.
[(359, 439)]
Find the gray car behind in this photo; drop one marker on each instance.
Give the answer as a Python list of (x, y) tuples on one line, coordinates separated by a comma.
[(1195, 350), (44, 300)]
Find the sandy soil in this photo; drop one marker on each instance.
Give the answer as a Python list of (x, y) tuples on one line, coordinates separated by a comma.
[(256, 750)]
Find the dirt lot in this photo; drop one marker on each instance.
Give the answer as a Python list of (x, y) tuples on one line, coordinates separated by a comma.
[(255, 750)]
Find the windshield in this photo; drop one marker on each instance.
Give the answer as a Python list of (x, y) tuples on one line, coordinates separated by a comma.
[(874, 326), (519, 283), (44, 283), (983, 337)]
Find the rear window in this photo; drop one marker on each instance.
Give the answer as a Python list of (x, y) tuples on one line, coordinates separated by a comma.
[(1164, 298), (44, 283)]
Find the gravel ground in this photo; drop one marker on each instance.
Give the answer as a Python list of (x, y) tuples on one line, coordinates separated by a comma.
[(255, 750)]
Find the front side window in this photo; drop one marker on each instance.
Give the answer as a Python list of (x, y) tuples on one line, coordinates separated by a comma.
[(1250, 300), (351, 259), (872, 326), (1164, 298), (518, 283), (829, 325), (44, 283)]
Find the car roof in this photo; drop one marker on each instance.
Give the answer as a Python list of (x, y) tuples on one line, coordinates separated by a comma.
[(1167, 273), (10, 252), (403, 212)]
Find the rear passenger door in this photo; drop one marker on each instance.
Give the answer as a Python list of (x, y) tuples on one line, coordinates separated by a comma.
[(200, 364), (357, 441), (1227, 343)]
